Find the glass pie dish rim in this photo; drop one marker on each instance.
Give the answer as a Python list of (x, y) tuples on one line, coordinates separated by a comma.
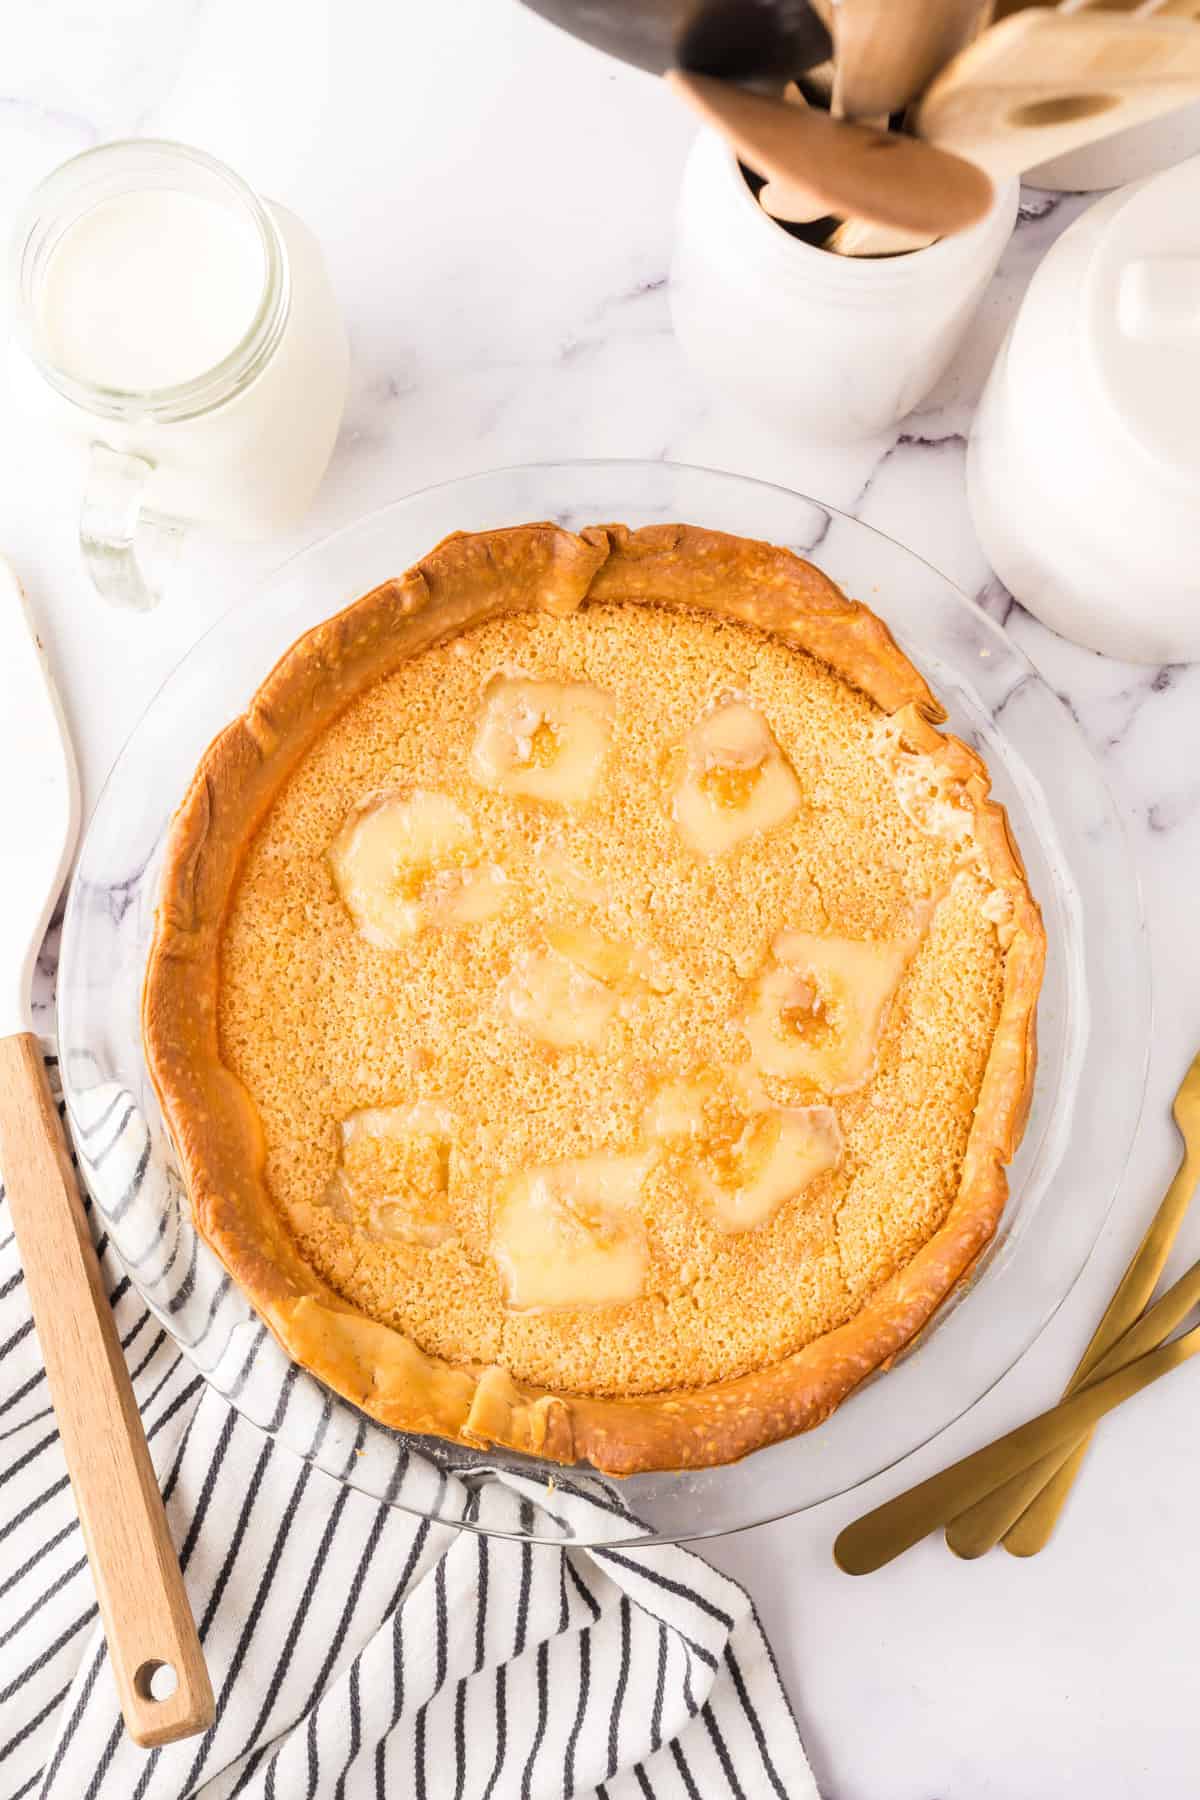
[(275, 586)]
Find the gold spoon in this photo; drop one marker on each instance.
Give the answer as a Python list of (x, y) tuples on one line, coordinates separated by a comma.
[(1024, 1511), (1134, 1361)]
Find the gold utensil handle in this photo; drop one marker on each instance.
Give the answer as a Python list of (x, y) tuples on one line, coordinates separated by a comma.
[(1033, 1525), (898, 1524), (140, 1591), (1025, 1510)]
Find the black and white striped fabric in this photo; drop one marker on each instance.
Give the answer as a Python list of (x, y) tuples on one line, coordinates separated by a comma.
[(355, 1649)]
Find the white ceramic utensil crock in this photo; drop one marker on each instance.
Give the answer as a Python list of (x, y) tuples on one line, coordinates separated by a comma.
[(828, 349), (1083, 471)]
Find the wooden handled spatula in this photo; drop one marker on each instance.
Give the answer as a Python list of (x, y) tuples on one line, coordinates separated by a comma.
[(143, 1606)]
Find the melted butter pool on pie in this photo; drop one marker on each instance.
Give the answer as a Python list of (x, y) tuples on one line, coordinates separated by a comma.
[(732, 782), (566, 994), (393, 1173), (744, 1157), (570, 1234), (815, 1013), (543, 740), (406, 861)]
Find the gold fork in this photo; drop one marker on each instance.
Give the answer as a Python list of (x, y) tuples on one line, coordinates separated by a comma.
[(1141, 1356), (1024, 1511)]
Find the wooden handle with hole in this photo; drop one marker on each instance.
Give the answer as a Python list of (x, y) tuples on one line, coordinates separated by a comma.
[(143, 1605)]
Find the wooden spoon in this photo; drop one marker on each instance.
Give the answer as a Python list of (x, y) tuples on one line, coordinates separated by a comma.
[(869, 174), (1142, 9), (886, 52), (859, 237), (787, 201), (1041, 83)]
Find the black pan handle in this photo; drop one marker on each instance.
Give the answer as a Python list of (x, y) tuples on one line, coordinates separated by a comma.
[(769, 41)]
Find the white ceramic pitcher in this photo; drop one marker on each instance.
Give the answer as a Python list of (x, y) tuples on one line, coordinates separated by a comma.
[(1083, 469)]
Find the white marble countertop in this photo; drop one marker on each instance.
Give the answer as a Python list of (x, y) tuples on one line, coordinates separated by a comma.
[(495, 203)]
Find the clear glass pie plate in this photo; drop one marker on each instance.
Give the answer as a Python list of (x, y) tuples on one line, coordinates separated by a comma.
[(1093, 1022)]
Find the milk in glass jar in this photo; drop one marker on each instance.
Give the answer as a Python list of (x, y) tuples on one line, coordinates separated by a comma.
[(184, 333)]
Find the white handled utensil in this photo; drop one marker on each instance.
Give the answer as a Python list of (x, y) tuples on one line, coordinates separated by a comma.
[(139, 1588)]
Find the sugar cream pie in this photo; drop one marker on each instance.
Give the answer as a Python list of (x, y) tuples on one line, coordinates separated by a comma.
[(592, 1000)]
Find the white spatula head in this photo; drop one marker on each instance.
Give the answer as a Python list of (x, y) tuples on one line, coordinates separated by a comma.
[(39, 802)]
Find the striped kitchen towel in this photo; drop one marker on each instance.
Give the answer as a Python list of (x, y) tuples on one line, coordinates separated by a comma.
[(356, 1649)]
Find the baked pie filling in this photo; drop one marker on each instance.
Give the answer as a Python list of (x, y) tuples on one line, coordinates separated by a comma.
[(621, 997)]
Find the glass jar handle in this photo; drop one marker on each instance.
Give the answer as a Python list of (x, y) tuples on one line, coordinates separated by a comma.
[(126, 550)]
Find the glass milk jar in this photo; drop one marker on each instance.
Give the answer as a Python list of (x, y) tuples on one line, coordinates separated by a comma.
[(826, 349), (183, 335)]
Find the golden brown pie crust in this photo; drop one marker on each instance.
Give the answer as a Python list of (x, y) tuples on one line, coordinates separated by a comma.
[(213, 1121)]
